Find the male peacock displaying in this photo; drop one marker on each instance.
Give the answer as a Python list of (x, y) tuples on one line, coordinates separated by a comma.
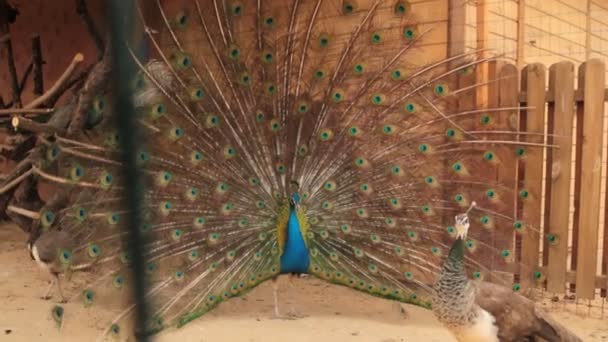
[(281, 137)]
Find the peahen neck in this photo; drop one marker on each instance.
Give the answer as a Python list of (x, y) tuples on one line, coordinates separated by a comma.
[(455, 261), (295, 258)]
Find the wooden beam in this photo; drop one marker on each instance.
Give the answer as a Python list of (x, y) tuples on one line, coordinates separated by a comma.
[(457, 19), (588, 31), (482, 39), (533, 82), (561, 117), (592, 80), (521, 33)]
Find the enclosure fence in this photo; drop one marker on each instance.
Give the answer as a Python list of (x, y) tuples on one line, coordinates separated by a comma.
[(560, 192)]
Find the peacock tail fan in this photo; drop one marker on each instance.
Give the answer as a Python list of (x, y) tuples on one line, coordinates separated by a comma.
[(244, 103)]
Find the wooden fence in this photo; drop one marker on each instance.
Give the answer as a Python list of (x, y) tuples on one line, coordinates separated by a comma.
[(554, 109)]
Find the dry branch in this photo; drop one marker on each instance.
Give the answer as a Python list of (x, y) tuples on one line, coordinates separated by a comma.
[(78, 58)]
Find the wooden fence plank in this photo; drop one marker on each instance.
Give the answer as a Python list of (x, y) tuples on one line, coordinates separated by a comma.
[(591, 79), (502, 94), (533, 82), (561, 112)]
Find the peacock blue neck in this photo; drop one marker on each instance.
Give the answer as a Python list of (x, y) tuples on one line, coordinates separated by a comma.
[(295, 258)]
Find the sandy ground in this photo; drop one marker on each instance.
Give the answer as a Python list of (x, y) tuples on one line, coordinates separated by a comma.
[(331, 313)]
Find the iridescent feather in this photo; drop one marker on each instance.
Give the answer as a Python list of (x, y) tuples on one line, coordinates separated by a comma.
[(243, 99)]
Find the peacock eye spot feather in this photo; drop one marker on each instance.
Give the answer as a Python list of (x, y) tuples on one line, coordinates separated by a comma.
[(518, 225), (450, 229), (458, 198), (520, 152), (358, 69), (269, 21), (237, 9), (182, 20), (488, 156), (524, 193), (516, 287), (490, 193), (409, 33), (324, 41), (401, 8), (423, 148), (235, 53), (450, 132), (303, 107), (57, 313), (439, 89), (477, 275), (319, 74), (410, 108), (337, 96), (349, 8), (376, 38), (485, 120)]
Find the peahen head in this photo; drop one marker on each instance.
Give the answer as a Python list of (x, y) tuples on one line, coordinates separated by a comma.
[(462, 223)]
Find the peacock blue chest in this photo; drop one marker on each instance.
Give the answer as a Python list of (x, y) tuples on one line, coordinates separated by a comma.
[(294, 257)]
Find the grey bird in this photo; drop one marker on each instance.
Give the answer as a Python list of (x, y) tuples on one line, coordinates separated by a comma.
[(487, 312), (52, 251)]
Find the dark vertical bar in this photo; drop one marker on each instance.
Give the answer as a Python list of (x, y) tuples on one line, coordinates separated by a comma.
[(5, 20), (121, 18), (37, 62)]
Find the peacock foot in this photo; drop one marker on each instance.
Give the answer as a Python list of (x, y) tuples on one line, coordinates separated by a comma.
[(400, 310)]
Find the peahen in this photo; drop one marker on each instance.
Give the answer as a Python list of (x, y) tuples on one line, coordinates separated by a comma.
[(282, 137), (486, 312)]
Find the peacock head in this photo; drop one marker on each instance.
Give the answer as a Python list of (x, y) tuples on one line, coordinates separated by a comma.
[(294, 200), (462, 223)]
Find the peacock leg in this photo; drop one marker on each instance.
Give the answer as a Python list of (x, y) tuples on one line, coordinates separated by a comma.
[(48, 294), (293, 313), (58, 282), (400, 309), (275, 292)]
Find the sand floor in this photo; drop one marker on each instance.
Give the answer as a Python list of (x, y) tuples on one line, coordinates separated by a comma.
[(331, 313)]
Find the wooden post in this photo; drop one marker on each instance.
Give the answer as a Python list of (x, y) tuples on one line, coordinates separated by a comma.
[(533, 83), (456, 27), (521, 32), (508, 96), (588, 31), (591, 81), (561, 113), (482, 38)]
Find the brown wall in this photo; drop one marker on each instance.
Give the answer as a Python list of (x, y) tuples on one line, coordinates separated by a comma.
[(62, 32)]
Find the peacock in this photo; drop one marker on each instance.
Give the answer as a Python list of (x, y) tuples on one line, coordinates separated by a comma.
[(483, 311), (281, 137)]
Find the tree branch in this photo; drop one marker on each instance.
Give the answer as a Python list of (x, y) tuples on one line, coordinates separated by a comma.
[(83, 12)]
